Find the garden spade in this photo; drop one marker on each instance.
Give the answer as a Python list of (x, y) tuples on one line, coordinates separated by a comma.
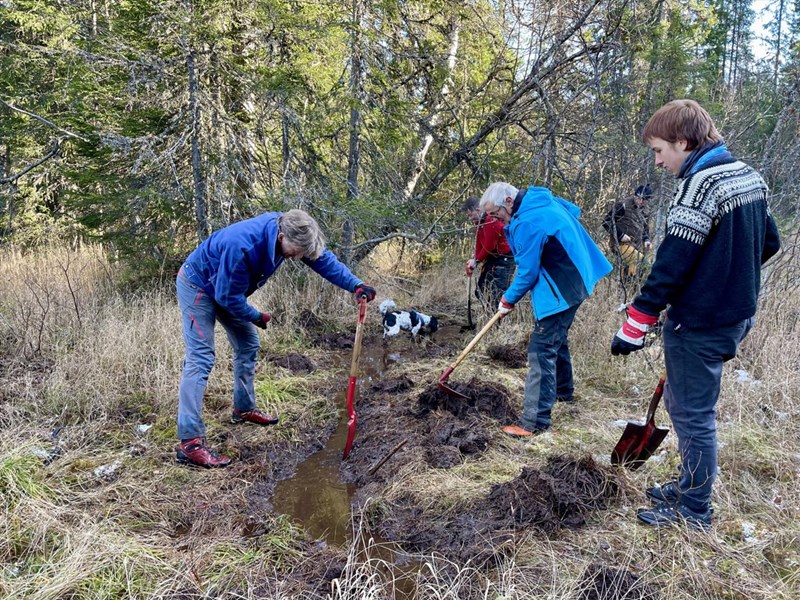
[(351, 384), (443, 379), (638, 442)]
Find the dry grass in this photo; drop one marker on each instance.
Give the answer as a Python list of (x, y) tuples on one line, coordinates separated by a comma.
[(77, 354)]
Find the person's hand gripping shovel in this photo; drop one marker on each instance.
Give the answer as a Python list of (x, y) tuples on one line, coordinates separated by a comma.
[(638, 442), (443, 379), (351, 384)]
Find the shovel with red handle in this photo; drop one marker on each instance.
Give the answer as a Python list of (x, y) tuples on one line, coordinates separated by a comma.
[(443, 379), (638, 442), (351, 384)]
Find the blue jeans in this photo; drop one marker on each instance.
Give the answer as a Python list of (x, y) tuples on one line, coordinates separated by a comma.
[(549, 369), (199, 312), (694, 359)]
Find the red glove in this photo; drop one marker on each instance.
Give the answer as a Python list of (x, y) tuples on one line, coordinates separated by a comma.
[(364, 291), (504, 307), (630, 336), (262, 320)]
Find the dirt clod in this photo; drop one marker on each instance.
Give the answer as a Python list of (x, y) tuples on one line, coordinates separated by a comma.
[(487, 399), (443, 457), (334, 340), (296, 363), (394, 385), (511, 356), (600, 582), (562, 494)]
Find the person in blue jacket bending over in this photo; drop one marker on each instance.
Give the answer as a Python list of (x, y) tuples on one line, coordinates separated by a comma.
[(559, 264), (213, 285)]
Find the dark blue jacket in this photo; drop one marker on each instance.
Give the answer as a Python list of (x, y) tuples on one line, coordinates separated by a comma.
[(719, 233), (237, 260), (557, 261)]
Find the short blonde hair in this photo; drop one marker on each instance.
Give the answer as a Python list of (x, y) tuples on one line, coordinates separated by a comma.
[(496, 194), (301, 230), (682, 120)]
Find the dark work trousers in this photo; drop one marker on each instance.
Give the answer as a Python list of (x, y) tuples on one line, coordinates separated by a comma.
[(549, 369), (495, 277), (694, 359)]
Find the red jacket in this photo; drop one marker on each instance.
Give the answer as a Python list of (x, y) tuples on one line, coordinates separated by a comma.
[(491, 240)]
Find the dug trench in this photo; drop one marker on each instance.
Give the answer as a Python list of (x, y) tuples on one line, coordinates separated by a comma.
[(406, 424)]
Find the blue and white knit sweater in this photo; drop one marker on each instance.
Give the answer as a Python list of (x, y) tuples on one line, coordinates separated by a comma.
[(719, 233)]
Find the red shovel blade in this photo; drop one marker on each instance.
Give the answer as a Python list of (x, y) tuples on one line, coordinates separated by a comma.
[(447, 389), (638, 442), (351, 384)]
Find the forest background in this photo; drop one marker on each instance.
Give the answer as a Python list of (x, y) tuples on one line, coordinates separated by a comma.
[(148, 124)]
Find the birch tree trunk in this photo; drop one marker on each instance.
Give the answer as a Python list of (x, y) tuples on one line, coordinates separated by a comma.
[(435, 114)]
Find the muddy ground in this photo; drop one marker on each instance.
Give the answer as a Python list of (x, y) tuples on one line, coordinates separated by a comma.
[(446, 431), (400, 419)]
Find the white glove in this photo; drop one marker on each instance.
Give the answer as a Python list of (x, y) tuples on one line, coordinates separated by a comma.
[(504, 307)]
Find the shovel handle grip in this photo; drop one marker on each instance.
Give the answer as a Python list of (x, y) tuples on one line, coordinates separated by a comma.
[(657, 394)]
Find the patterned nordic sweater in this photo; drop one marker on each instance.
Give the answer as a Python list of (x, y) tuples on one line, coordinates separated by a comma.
[(719, 233)]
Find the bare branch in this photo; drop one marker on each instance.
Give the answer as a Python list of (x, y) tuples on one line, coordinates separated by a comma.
[(32, 166), (43, 120)]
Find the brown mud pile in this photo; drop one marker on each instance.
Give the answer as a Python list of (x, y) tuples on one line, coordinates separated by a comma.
[(334, 340), (511, 356), (296, 363), (388, 414), (600, 582), (562, 494), (442, 430)]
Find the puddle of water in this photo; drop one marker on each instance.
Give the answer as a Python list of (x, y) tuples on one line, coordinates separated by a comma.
[(315, 496)]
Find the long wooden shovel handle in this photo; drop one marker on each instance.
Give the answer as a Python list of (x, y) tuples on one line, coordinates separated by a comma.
[(659, 391), (362, 315), (475, 340), (351, 383)]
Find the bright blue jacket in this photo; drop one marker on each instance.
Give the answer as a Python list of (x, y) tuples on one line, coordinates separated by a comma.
[(556, 259), (237, 260)]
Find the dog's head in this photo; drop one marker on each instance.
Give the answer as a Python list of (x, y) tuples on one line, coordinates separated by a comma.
[(433, 325), (387, 306)]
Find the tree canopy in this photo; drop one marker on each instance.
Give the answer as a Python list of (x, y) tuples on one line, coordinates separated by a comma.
[(149, 123)]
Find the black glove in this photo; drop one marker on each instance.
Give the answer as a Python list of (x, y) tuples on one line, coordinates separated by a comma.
[(364, 291), (630, 337), (262, 320)]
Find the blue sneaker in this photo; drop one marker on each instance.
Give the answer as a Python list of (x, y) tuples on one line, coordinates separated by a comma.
[(667, 515), (669, 493)]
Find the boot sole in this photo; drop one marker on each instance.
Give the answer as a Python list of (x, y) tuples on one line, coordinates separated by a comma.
[(189, 463), (239, 421)]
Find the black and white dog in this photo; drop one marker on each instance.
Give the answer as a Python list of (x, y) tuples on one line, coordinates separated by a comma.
[(395, 321)]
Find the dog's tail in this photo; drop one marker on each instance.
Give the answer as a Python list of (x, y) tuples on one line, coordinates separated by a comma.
[(387, 305)]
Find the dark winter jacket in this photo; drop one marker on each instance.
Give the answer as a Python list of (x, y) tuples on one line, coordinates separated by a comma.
[(556, 259), (627, 218), (719, 232), (237, 260)]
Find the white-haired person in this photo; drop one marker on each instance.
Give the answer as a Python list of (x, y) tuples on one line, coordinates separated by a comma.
[(559, 264), (213, 285)]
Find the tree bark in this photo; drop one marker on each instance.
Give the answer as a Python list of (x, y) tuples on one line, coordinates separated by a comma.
[(200, 200), (354, 152), (435, 114)]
